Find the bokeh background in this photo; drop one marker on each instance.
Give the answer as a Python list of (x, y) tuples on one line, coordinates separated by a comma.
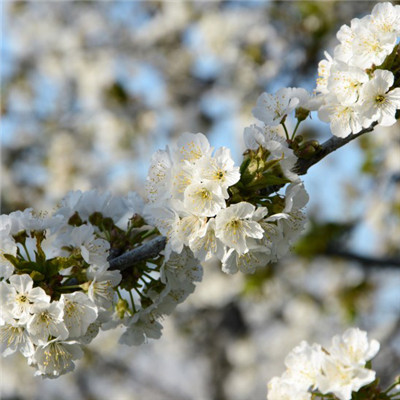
[(89, 90)]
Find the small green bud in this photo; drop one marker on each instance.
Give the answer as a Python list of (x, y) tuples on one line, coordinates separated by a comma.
[(136, 221), (306, 152), (301, 114), (298, 139), (96, 219), (308, 149), (20, 237), (37, 276), (75, 220), (122, 307)]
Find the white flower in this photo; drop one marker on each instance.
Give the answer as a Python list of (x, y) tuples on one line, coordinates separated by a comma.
[(139, 330), (56, 358), (370, 47), (93, 250), (167, 222), (190, 147), (91, 332), (47, 321), (380, 103), (207, 245), (29, 221), (324, 70), (220, 168), (204, 199), (158, 177), (346, 37), (343, 119), (341, 380), (134, 203), (191, 226), (180, 268), (183, 174), (87, 203), (255, 136), (257, 256), (19, 296), (304, 364), (353, 348), (234, 226), (280, 388), (15, 337), (385, 17), (345, 82), (79, 313), (101, 288), (291, 220), (272, 108)]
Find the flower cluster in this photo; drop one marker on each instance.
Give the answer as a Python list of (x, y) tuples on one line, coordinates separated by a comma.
[(199, 199), (339, 370), (359, 84), (57, 289)]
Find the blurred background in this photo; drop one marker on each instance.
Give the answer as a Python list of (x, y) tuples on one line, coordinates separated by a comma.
[(89, 90)]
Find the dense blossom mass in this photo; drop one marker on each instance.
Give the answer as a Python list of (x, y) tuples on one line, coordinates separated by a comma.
[(313, 371), (356, 85), (58, 283), (57, 289), (200, 199)]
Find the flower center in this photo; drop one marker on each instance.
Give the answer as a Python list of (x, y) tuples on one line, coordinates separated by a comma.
[(380, 98), (22, 298)]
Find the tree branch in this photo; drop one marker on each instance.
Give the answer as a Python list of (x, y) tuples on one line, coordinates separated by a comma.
[(384, 262), (153, 247), (328, 147), (149, 249)]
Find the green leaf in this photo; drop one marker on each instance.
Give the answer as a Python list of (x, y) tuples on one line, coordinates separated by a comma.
[(13, 260), (271, 179)]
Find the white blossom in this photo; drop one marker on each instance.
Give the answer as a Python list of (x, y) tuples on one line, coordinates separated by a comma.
[(220, 169), (272, 108), (15, 337), (79, 313), (353, 348), (46, 322), (207, 245), (344, 119), (234, 226), (304, 364), (385, 17), (56, 358), (19, 296), (204, 199), (341, 380), (280, 388), (101, 288), (379, 103), (139, 330)]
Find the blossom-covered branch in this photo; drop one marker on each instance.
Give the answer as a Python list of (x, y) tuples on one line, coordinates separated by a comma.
[(98, 261)]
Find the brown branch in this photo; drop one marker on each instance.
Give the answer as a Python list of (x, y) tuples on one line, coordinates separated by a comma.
[(366, 261), (147, 250), (328, 147), (153, 247)]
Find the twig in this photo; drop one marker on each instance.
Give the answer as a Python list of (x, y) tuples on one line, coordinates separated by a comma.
[(147, 250), (366, 261), (326, 148), (153, 247)]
